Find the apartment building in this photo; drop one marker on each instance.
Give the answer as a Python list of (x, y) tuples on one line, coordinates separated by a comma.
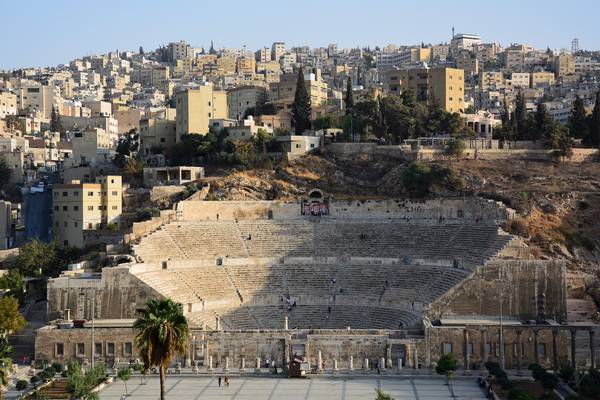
[(277, 50), (564, 64), (446, 85), (40, 98), (8, 104), (158, 132), (196, 107), (91, 147), (81, 207), (492, 80), (263, 55), (464, 41), (246, 65), (542, 79), (519, 80), (6, 225), (241, 98), (282, 93), (468, 62)]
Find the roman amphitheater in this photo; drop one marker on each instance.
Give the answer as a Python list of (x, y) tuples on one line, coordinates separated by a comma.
[(343, 284)]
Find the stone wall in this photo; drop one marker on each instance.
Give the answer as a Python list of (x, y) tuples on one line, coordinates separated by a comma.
[(140, 229), (352, 150), (116, 293), (521, 283), (434, 210)]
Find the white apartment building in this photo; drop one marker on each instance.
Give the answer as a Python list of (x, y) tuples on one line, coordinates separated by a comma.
[(8, 104), (464, 41), (277, 50)]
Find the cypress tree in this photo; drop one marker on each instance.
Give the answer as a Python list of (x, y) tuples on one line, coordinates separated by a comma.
[(521, 117), (55, 121), (349, 100), (593, 138), (578, 120), (301, 109), (543, 123)]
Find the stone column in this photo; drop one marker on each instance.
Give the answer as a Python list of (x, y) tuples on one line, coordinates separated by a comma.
[(210, 363), (573, 348), (217, 324), (399, 363), (519, 350), (351, 364), (257, 369), (226, 367), (484, 346), (319, 361), (335, 367), (382, 364), (366, 365), (285, 323), (592, 348), (416, 358), (466, 350), (536, 350), (554, 350), (243, 366)]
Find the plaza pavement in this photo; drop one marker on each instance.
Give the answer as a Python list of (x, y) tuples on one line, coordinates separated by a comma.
[(317, 388)]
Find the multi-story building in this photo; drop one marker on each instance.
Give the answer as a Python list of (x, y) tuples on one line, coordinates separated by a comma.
[(196, 107), (445, 85), (90, 147), (283, 92), (41, 98), (242, 98), (464, 41), (277, 50), (263, 55), (8, 104), (81, 207), (514, 60), (468, 62), (179, 50), (226, 64), (519, 80), (542, 79), (439, 52), (158, 132), (246, 65), (564, 64), (492, 80)]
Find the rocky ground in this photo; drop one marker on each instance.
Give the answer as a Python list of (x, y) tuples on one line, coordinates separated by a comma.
[(559, 203)]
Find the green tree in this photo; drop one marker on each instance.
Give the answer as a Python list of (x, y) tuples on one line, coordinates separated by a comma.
[(455, 148), (134, 170), (381, 395), (11, 319), (578, 122), (446, 365), (5, 362), (521, 121), (37, 258), (349, 99), (12, 281), (80, 383), (55, 121), (409, 98), (5, 173), (593, 138), (416, 179), (124, 374), (162, 332), (560, 141), (543, 123), (301, 107), (261, 139)]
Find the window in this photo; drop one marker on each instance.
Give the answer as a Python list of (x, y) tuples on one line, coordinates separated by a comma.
[(76, 193), (65, 243), (90, 193), (446, 348), (75, 208), (115, 207), (542, 349), (90, 208), (65, 194), (90, 226), (110, 349), (127, 349), (470, 348), (97, 349), (65, 208), (59, 349), (55, 208), (66, 224), (80, 349)]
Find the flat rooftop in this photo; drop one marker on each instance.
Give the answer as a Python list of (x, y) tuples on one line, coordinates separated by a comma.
[(316, 388)]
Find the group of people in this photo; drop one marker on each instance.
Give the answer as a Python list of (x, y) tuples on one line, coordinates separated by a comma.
[(224, 380)]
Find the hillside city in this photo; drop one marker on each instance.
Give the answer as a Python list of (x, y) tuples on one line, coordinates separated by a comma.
[(422, 209)]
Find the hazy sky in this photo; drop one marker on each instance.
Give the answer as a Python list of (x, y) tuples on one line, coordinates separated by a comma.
[(50, 32)]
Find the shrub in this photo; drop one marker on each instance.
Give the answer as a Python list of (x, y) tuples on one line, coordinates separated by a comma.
[(58, 367), (519, 394), (566, 372), (519, 226), (147, 213), (22, 384), (455, 148), (34, 380)]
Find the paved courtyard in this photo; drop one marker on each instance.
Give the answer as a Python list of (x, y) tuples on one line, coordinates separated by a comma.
[(321, 388)]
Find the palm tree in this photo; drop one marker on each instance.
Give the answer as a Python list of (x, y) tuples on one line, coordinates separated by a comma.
[(163, 332)]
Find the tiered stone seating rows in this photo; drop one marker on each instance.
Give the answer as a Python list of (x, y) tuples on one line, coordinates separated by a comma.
[(469, 243)]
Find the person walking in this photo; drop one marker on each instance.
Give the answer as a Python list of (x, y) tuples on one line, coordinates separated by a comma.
[(227, 381), (219, 380)]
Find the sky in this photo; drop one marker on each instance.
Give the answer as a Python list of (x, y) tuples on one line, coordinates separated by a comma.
[(51, 32)]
